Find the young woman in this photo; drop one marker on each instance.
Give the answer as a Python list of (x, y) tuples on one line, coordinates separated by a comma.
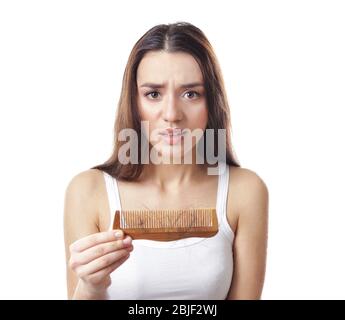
[(173, 83)]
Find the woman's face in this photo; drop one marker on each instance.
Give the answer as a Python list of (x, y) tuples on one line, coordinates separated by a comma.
[(171, 98)]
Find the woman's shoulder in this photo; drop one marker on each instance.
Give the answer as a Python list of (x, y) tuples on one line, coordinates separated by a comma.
[(246, 178), (85, 182), (85, 197), (247, 190), (86, 188)]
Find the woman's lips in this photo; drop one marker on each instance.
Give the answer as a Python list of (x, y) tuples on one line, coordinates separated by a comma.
[(172, 136)]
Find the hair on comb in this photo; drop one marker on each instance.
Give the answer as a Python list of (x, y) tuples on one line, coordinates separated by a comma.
[(167, 224)]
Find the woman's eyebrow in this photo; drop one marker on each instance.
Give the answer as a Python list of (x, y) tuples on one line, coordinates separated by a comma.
[(186, 85)]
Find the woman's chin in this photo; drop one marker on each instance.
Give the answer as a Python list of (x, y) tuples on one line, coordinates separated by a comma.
[(169, 153)]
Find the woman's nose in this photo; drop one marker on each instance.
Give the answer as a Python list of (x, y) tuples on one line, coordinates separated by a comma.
[(171, 110)]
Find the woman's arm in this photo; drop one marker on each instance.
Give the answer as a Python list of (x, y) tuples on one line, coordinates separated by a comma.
[(80, 220), (91, 255), (249, 197)]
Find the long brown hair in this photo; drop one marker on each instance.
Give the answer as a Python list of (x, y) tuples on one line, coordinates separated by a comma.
[(176, 37)]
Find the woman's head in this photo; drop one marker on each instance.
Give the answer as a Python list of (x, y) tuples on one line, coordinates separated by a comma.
[(171, 95), (162, 63)]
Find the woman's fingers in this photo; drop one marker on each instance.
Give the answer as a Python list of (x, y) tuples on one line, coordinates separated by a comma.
[(94, 239), (100, 263), (97, 277), (94, 257), (100, 250)]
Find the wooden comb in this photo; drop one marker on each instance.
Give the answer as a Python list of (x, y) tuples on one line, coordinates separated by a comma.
[(167, 224)]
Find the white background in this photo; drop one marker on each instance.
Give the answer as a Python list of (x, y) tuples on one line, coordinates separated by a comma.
[(61, 67)]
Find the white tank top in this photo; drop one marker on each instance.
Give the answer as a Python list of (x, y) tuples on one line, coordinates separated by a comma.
[(186, 269)]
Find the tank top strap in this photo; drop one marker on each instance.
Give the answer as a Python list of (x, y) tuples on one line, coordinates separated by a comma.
[(113, 196), (222, 192)]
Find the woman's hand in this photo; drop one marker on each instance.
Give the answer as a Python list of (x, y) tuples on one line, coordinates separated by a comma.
[(94, 257)]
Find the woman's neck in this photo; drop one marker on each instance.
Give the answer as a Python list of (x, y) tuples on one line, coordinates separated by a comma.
[(171, 176)]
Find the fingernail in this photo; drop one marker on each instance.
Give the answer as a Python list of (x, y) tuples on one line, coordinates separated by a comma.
[(118, 234), (127, 241)]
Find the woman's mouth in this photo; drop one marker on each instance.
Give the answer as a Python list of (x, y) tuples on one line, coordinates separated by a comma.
[(172, 135)]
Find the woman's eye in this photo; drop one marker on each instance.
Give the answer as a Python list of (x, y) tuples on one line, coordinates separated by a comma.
[(192, 94), (153, 94)]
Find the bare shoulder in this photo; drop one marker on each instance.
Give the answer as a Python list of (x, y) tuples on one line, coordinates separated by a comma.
[(247, 182), (85, 182), (247, 194), (82, 196)]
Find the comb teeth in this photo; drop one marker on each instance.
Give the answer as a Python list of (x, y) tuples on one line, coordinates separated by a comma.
[(167, 224), (165, 218)]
